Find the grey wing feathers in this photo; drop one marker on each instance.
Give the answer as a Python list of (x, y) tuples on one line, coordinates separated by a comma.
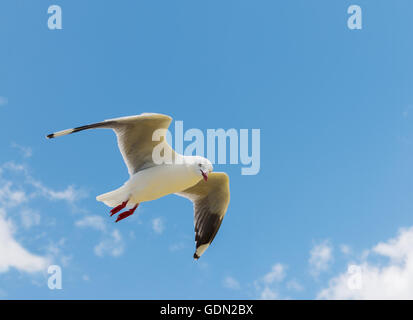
[(134, 136), (211, 201), (206, 223)]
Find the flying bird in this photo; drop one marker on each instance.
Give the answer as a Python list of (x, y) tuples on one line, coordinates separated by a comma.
[(139, 139)]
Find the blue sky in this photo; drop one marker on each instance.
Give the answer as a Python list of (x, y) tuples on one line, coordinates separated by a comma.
[(334, 107)]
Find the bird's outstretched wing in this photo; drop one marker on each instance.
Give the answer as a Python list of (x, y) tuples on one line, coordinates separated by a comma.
[(210, 201), (135, 137)]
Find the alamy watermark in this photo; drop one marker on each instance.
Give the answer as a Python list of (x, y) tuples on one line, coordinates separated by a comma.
[(220, 146), (354, 22), (55, 279), (55, 20)]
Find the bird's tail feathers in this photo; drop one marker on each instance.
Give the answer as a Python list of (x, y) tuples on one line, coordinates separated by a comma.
[(113, 198)]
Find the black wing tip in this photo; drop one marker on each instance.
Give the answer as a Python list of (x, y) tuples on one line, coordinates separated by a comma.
[(50, 136), (196, 257)]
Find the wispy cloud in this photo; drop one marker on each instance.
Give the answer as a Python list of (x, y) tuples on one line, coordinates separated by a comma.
[(321, 256), (377, 280), (3, 101), (26, 152), (231, 283), (10, 195), (158, 225), (112, 245), (407, 110), (266, 285), (95, 222), (268, 294), (17, 192), (294, 285), (70, 194), (276, 274), (345, 249), (177, 246), (29, 218), (55, 252)]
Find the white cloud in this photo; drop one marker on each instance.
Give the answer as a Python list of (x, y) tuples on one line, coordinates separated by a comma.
[(276, 274), (321, 256), (266, 284), (158, 225), (111, 245), (18, 188), (12, 254), (55, 252), (95, 222), (378, 280), (268, 294), (294, 285), (231, 283), (10, 196)]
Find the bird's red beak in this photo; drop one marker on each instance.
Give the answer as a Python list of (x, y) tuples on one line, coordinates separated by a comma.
[(204, 175)]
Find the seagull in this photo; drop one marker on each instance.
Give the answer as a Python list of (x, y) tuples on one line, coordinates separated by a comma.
[(190, 177)]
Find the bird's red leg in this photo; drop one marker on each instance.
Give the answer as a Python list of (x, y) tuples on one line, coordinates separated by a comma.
[(126, 214), (118, 208)]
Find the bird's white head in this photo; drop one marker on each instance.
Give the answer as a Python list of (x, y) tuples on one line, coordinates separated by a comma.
[(202, 166)]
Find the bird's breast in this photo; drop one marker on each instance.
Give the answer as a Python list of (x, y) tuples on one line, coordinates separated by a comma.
[(159, 181)]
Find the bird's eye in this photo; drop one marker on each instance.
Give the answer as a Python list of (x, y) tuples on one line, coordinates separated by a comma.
[(199, 165)]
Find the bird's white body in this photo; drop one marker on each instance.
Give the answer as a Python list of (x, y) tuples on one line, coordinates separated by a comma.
[(153, 183)]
